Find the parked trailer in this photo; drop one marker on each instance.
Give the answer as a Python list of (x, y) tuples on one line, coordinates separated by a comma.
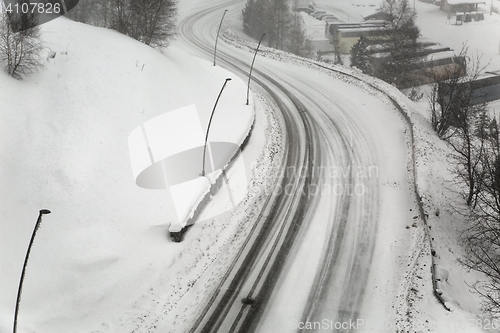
[(387, 47), (484, 89), (331, 28), (377, 59), (439, 66), (347, 37)]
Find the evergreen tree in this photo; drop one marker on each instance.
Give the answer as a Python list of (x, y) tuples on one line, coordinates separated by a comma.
[(402, 37), (248, 14), (284, 30), (261, 20), (281, 23), (297, 43), (359, 56)]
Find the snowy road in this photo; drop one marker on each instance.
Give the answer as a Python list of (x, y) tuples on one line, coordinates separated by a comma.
[(310, 257)]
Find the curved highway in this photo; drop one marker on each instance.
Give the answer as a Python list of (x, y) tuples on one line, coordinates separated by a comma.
[(310, 254)]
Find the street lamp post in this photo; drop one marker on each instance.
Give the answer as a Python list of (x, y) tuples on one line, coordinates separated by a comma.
[(209, 123), (20, 289), (251, 67), (217, 38)]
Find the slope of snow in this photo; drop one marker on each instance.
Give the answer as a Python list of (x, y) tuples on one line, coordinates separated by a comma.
[(65, 148)]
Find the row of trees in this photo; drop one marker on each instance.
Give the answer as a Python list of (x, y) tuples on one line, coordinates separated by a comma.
[(284, 29), (152, 22), (474, 135), (464, 125), (400, 40)]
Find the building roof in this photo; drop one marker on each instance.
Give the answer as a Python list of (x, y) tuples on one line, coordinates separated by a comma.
[(484, 89), (460, 2), (378, 16)]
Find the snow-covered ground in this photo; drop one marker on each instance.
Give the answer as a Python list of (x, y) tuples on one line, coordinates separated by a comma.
[(438, 190), (437, 184), (103, 255), (102, 258)]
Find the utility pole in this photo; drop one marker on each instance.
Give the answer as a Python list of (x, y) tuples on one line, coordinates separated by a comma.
[(217, 38), (208, 128), (251, 67), (20, 288)]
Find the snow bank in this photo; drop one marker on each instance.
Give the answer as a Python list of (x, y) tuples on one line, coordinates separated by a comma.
[(65, 147)]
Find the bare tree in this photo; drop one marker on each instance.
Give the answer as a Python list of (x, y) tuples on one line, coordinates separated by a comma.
[(153, 21), (120, 15), (481, 238), (451, 99), (20, 51), (469, 148), (86, 11)]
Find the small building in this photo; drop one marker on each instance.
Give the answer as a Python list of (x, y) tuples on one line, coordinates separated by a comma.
[(486, 89), (332, 28), (347, 37), (453, 6), (431, 64)]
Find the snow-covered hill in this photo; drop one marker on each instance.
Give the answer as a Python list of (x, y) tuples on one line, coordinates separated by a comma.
[(64, 147)]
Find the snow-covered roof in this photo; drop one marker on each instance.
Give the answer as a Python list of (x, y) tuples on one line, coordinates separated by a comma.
[(377, 16), (459, 2), (440, 55)]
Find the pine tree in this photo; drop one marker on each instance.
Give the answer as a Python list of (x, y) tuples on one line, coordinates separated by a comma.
[(298, 43), (281, 23), (402, 37), (359, 56), (284, 30), (248, 15), (262, 19)]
